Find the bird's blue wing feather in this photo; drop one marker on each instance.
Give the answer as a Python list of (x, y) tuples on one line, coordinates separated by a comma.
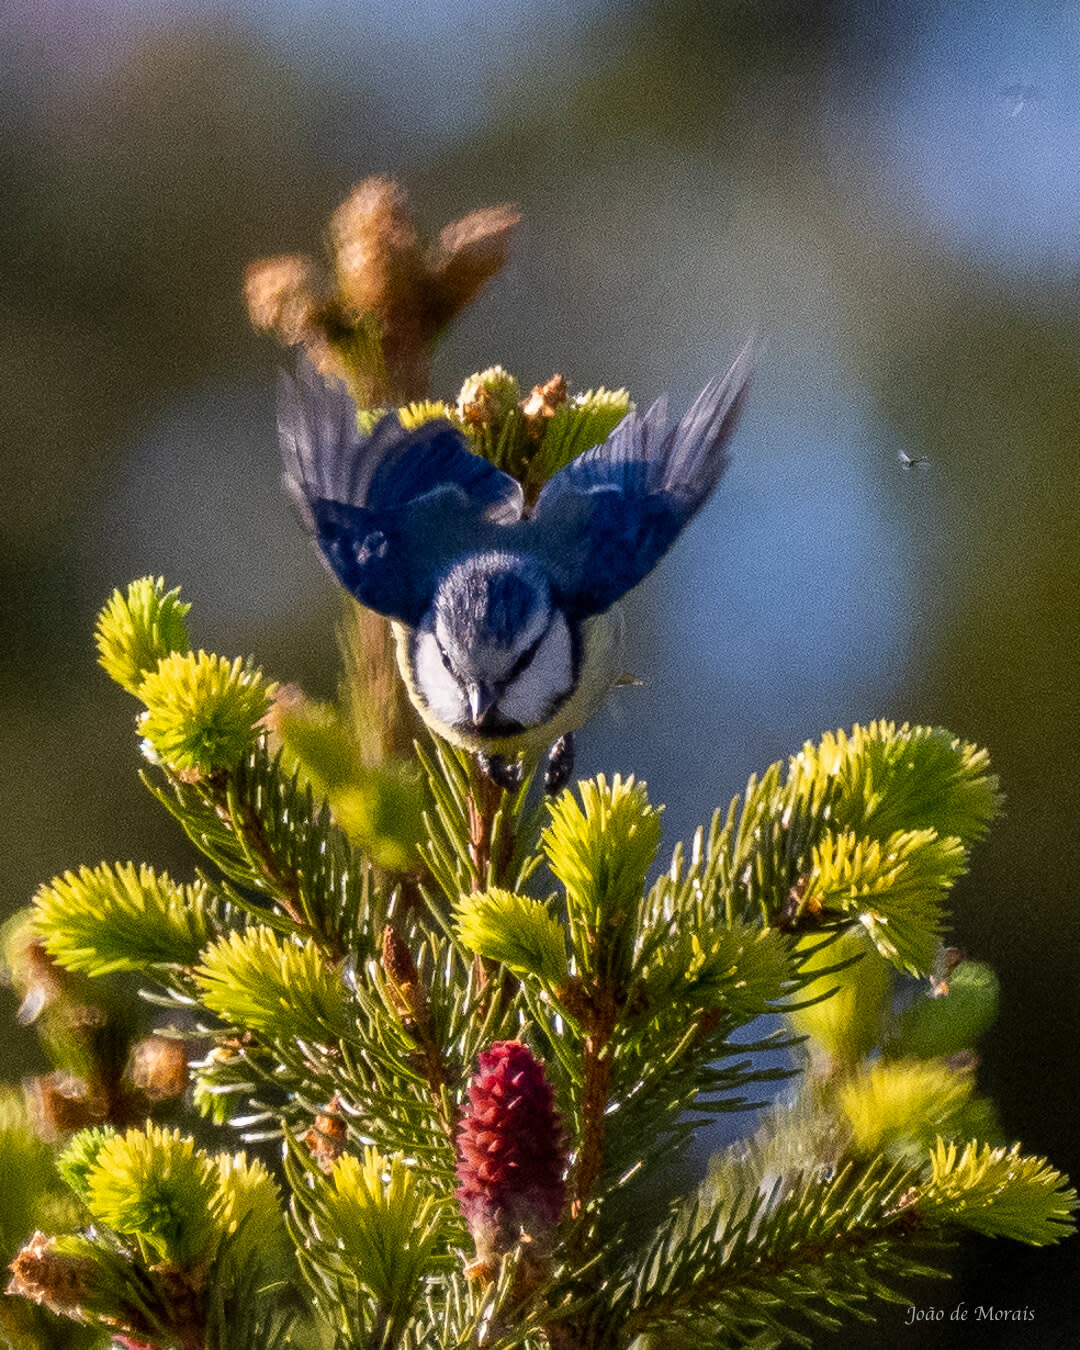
[(386, 509), (607, 519)]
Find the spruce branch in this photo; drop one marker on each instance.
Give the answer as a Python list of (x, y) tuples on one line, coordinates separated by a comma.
[(651, 1024), (478, 834), (998, 1192), (597, 1073), (516, 931), (279, 988), (374, 320), (601, 851), (902, 1106), (201, 711), (449, 1058), (138, 628), (181, 1245), (370, 1234), (799, 850), (773, 1251), (121, 918), (261, 826), (574, 426), (894, 887), (408, 995), (894, 778)]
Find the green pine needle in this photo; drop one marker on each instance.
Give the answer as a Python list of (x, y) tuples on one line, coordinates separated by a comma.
[(601, 851), (155, 1185), (846, 1018), (79, 1158), (114, 918), (906, 778), (415, 415), (894, 887), (577, 425), (277, 987), (202, 711), (514, 930), (246, 1207), (900, 1107), (139, 627), (744, 969), (384, 1220), (372, 1229), (32, 1191), (999, 1192), (767, 1250)]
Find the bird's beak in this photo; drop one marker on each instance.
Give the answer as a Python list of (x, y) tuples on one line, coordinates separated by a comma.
[(482, 699)]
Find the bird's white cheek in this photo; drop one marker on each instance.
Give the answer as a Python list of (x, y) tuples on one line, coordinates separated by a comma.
[(437, 686), (544, 683)]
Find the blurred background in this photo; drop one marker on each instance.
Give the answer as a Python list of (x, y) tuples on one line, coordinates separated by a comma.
[(890, 194)]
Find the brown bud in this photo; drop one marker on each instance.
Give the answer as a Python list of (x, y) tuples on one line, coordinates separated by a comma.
[(488, 398), (539, 407), (282, 294), (954, 956), (231, 1046), (61, 1103), (46, 1276), (402, 978), (469, 252), (158, 1067), (38, 978), (327, 1137), (376, 255), (84, 1020), (479, 411), (374, 322)]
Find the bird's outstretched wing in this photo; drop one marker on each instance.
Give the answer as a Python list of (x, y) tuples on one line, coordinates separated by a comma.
[(386, 509), (607, 519)]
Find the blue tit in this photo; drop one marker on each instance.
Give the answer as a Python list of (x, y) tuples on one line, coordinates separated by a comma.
[(506, 625)]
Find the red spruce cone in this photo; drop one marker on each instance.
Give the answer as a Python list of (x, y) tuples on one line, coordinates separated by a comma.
[(511, 1154)]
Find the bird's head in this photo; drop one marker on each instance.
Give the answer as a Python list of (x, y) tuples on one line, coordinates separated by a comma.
[(494, 655)]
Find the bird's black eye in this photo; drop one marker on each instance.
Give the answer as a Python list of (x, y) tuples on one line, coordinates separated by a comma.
[(523, 660), (445, 660)]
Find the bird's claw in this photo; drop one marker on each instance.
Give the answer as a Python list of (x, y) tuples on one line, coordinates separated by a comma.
[(509, 774), (503, 772), (560, 764)]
